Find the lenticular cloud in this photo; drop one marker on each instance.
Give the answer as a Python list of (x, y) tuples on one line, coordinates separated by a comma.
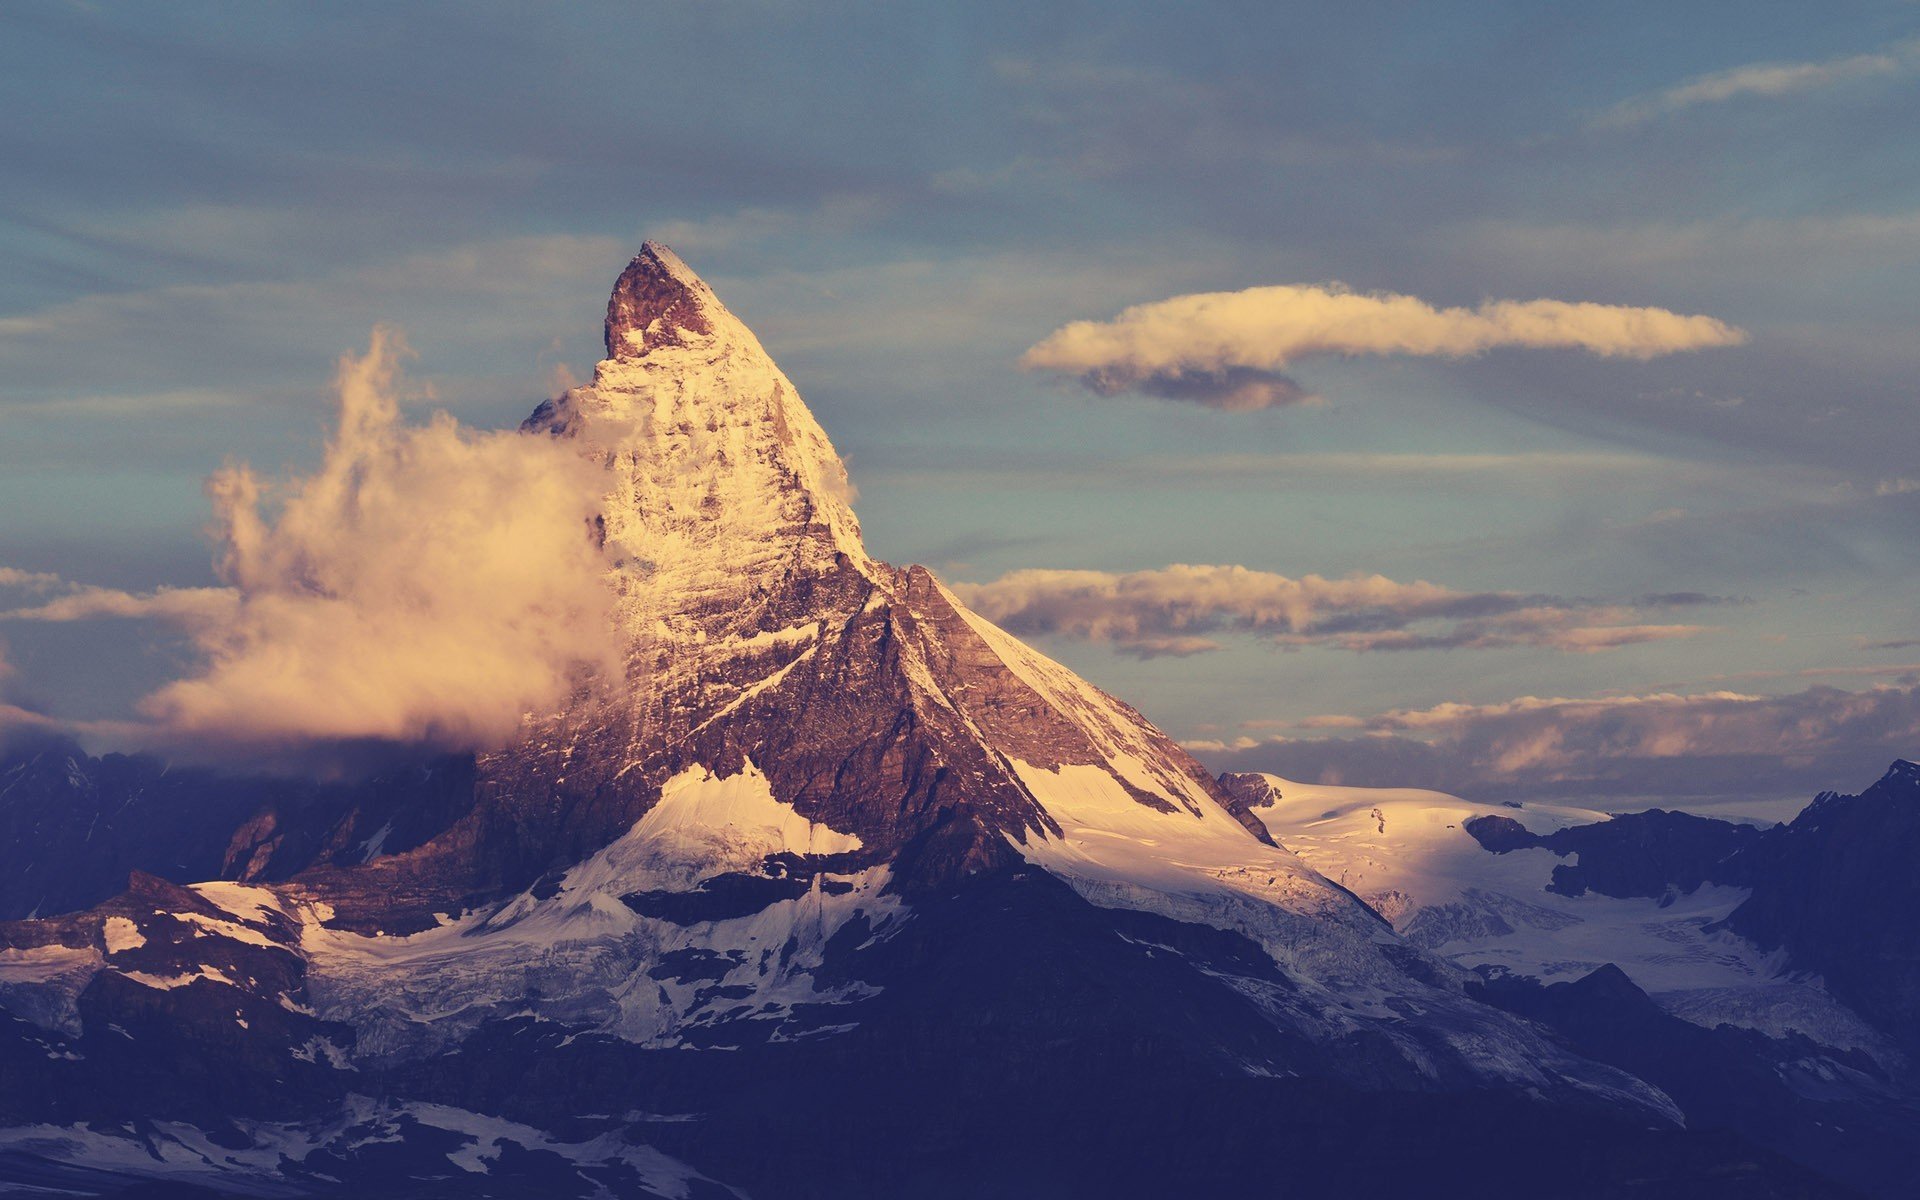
[(1231, 349), (426, 583)]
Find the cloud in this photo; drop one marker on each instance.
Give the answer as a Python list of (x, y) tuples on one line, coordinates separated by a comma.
[(18, 726), (1173, 610), (1766, 79), (194, 608), (1028, 468), (196, 349), (424, 584), (37, 581), (1231, 350), (756, 224), (1720, 743)]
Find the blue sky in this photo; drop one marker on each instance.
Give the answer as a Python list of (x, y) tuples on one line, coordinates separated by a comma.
[(204, 206)]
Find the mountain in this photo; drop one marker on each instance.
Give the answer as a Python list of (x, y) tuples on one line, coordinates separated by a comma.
[(834, 889), (72, 827), (1834, 889), (1760, 977)]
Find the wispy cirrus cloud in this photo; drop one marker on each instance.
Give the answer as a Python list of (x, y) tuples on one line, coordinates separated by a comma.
[(1231, 350), (1663, 744), (1762, 79), (1180, 609), (1891, 644)]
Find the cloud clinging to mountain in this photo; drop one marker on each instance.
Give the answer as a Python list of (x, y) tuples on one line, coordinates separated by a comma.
[(425, 584)]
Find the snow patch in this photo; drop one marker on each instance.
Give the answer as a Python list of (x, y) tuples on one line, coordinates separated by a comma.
[(121, 934), (42, 983), (271, 1159), (585, 958), (226, 929), (166, 983), (251, 904)]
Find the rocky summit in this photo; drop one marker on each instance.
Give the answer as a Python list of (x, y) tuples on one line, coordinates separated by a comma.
[(832, 888)]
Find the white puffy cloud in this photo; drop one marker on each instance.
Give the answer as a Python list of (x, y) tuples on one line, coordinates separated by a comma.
[(1173, 610), (425, 583), (1231, 349)]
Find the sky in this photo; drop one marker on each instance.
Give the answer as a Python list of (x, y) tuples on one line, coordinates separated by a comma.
[(1202, 345)]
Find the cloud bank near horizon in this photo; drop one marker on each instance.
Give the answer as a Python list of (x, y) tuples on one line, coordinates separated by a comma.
[(1657, 745), (1177, 610), (1232, 350)]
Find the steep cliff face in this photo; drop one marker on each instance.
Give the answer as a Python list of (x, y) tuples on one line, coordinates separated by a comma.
[(756, 628), (1836, 889)]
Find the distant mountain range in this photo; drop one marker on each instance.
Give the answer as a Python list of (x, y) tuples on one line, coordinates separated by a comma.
[(839, 890)]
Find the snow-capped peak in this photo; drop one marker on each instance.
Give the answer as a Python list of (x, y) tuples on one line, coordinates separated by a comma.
[(718, 475), (659, 301)]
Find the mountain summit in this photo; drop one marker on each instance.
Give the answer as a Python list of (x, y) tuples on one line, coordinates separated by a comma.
[(658, 301), (758, 630)]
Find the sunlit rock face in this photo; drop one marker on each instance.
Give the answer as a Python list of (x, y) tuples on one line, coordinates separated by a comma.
[(755, 626)]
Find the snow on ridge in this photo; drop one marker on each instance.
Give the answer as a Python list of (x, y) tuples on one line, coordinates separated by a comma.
[(1207, 870), (582, 955), (709, 441), (1406, 852), (703, 825), (1122, 737)]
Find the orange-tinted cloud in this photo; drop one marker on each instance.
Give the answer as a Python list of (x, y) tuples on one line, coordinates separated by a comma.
[(1722, 743), (425, 583)]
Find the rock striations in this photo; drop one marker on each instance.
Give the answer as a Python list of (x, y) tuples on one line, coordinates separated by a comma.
[(756, 629)]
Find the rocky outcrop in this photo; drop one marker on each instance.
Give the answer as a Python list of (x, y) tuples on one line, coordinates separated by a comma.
[(1634, 854), (1837, 889)]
